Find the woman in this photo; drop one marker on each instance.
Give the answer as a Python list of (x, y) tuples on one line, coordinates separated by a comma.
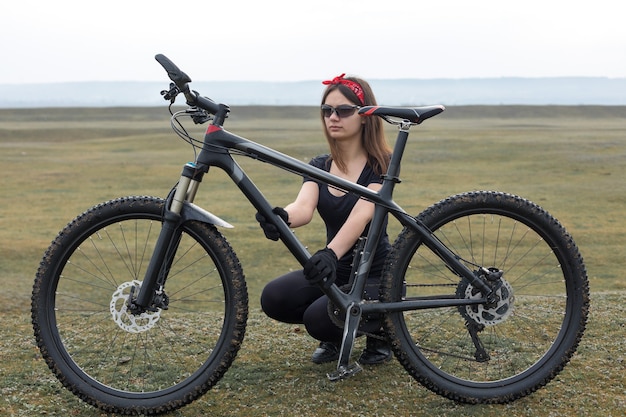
[(359, 153)]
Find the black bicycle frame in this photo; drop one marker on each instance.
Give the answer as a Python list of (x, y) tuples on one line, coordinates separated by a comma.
[(215, 152)]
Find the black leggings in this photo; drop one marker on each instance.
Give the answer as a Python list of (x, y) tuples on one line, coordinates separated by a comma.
[(291, 299)]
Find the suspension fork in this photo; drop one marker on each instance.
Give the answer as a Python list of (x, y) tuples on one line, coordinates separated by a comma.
[(168, 240)]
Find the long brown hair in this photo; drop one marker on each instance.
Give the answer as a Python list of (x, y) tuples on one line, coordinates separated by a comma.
[(372, 136)]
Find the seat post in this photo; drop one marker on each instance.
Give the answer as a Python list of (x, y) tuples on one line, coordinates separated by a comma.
[(392, 176)]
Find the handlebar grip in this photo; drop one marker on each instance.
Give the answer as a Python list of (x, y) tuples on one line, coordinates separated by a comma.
[(181, 80), (176, 75)]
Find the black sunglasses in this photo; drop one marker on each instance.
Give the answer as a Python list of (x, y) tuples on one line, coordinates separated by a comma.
[(342, 111)]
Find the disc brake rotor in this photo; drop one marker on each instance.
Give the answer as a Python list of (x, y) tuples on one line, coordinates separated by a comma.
[(124, 318), (488, 314)]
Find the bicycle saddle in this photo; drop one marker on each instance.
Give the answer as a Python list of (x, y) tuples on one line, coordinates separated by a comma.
[(413, 114)]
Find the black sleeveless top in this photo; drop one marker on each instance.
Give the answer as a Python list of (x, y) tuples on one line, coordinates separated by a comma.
[(335, 211)]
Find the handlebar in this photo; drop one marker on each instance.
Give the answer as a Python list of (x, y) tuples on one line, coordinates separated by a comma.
[(182, 81)]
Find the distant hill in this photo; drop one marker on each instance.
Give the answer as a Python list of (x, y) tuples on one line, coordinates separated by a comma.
[(471, 91)]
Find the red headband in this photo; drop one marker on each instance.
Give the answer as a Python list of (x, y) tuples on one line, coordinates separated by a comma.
[(354, 86)]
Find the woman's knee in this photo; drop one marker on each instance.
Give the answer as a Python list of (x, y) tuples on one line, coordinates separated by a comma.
[(318, 323), (272, 300), (287, 297)]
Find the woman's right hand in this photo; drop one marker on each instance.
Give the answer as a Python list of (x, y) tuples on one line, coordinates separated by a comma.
[(269, 228)]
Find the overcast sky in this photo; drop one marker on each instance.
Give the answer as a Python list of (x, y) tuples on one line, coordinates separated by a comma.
[(45, 41)]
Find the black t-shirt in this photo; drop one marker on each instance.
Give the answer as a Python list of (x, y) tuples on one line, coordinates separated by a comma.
[(335, 211)]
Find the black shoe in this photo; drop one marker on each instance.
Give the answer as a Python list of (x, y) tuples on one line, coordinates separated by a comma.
[(326, 352), (376, 351)]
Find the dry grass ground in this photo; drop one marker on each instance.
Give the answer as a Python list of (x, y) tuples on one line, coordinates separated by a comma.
[(571, 160)]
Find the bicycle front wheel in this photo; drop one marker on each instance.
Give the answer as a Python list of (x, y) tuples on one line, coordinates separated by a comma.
[(137, 364), (488, 353)]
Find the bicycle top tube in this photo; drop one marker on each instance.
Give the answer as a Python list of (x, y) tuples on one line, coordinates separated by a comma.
[(222, 138)]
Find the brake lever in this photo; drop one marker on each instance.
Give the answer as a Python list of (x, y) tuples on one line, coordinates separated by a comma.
[(199, 116), (171, 93)]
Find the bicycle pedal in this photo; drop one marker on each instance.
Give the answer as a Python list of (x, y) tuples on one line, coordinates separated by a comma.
[(344, 372)]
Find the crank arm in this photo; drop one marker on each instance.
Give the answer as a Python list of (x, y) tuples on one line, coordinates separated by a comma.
[(344, 368)]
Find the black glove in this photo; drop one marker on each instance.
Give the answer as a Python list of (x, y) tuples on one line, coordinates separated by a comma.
[(321, 267), (270, 230)]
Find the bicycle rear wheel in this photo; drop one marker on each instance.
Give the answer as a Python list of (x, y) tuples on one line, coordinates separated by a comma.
[(528, 335), (137, 364)]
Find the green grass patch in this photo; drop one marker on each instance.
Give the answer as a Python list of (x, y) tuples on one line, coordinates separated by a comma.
[(57, 163)]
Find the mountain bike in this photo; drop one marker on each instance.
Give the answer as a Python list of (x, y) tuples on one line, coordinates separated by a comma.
[(140, 303)]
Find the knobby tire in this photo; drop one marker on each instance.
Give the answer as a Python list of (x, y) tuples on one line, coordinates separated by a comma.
[(127, 364), (533, 332)]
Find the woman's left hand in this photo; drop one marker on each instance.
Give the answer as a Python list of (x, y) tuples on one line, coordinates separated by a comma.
[(322, 268)]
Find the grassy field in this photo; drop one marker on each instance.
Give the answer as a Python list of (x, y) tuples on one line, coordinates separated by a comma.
[(57, 163)]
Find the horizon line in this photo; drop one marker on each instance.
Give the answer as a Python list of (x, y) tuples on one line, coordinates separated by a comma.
[(507, 77)]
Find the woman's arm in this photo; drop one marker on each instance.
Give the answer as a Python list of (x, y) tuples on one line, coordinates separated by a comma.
[(302, 209), (352, 229)]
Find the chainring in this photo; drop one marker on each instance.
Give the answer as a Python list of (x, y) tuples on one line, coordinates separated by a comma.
[(338, 319), (334, 312)]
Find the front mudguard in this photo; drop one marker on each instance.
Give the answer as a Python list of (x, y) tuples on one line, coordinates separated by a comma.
[(191, 212)]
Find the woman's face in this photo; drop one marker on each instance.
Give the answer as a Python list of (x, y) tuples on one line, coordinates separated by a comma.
[(342, 128)]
